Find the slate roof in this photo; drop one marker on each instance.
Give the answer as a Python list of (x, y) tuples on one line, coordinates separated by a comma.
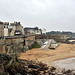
[(1, 22)]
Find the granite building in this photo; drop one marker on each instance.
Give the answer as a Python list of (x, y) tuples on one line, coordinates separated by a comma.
[(1, 30)]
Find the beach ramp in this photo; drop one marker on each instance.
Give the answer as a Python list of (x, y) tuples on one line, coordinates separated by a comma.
[(46, 45), (50, 44)]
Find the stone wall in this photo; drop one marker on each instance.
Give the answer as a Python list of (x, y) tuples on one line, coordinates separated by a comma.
[(2, 49), (29, 40), (2, 46), (58, 38), (16, 43), (11, 41)]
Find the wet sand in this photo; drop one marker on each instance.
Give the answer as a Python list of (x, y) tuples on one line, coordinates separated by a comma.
[(49, 56), (66, 63)]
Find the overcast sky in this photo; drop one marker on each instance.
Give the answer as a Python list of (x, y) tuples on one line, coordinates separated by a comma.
[(54, 15)]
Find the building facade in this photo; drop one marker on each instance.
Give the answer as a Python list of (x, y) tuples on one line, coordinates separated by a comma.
[(6, 24), (15, 29), (43, 31), (1, 30), (34, 30)]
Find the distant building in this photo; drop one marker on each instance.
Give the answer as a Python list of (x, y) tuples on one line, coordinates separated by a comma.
[(17, 25), (6, 24), (11, 32), (35, 30), (15, 29), (1, 30), (10, 26), (43, 31), (4, 29)]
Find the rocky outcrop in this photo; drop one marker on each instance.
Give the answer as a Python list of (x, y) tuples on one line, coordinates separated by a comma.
[(11, 65)]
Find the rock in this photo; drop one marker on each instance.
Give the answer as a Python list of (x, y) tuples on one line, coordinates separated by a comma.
[(46, 74), (52, 69), (41, 72), (53, 73), (60, 73), (33, 66), (5, 73), (73, 72), (18, 74), (25, 67), (1, 68), (26, 48), (67, 72)]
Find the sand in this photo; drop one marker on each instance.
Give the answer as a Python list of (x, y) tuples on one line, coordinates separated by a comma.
[(48, 56)]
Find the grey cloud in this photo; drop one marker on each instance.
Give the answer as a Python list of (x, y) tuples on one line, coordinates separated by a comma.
[(49, 14)]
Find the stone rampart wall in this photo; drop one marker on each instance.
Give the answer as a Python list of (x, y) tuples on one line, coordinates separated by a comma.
[(2, 46)]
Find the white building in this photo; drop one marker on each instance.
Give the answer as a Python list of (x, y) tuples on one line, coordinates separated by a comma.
[(5, 31), (43, 31), (6, 24)]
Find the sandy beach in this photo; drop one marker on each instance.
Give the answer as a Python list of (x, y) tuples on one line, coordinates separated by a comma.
[(48, 56)]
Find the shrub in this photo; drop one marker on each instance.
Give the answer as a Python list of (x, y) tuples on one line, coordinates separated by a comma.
[(35, 45)]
